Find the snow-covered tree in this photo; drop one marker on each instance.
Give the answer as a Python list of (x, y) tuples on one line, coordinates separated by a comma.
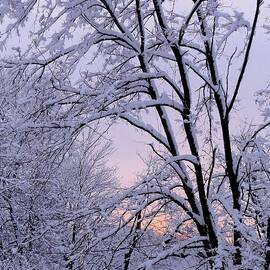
[(53, 184), (139, 61)]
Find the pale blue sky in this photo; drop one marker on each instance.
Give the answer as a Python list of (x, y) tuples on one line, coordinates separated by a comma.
[(129, 144)]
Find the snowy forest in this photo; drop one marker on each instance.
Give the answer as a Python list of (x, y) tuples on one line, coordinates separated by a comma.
[(189, 78)]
